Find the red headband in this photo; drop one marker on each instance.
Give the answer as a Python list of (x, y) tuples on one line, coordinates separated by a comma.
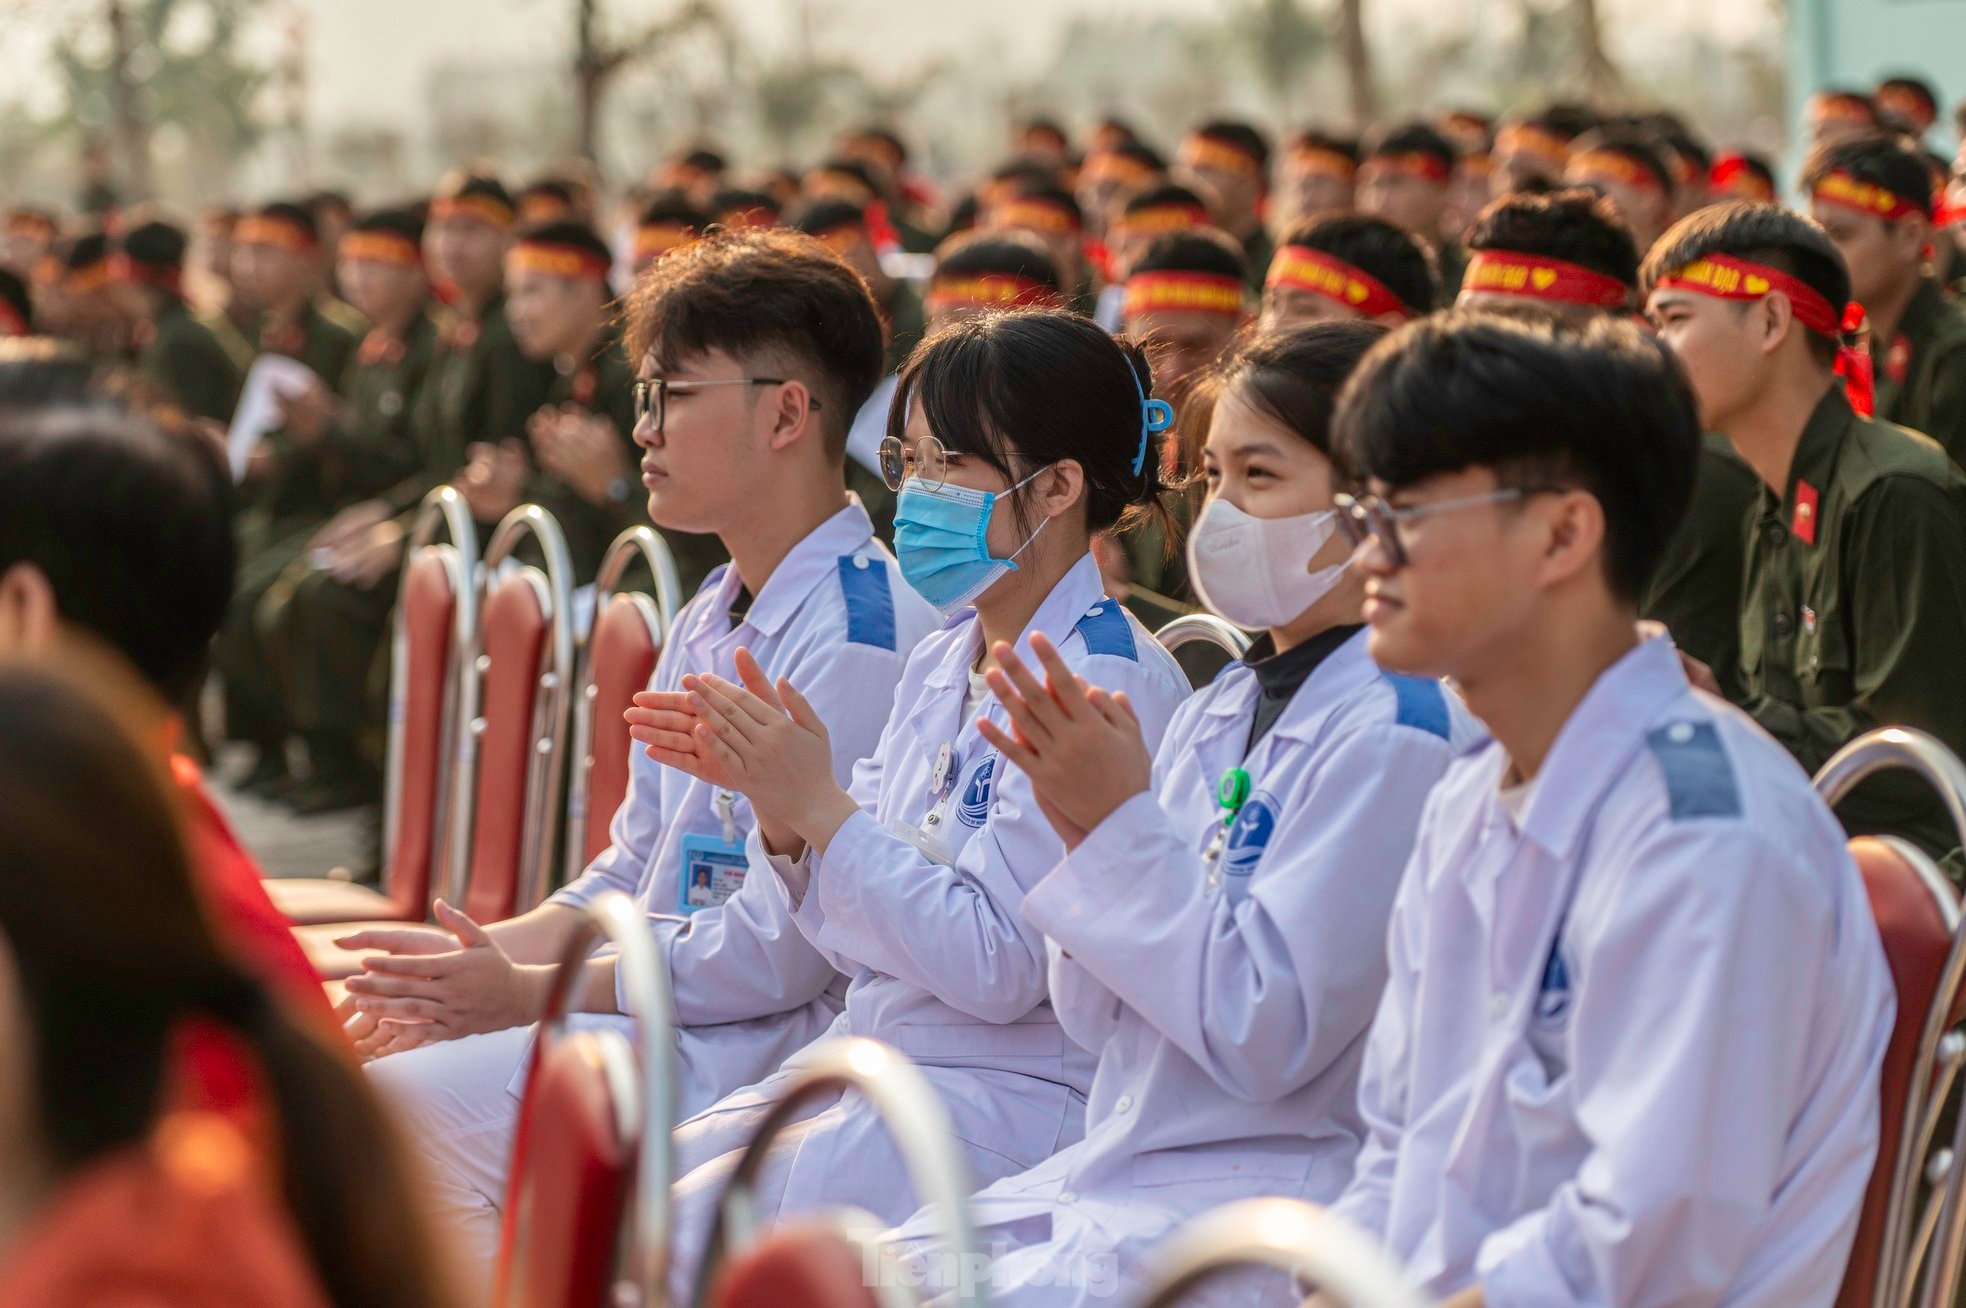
[(1315, 271), (378, 246), (1726, 278), (1187, 292), (488, 209), (1036, 215), (1323, 161), (1852, 192), (1538, 141), (1732, 175), (556, 260), (1611, 163), (987, 291), (653, 240), (271, 229), (1155, 219), (1504, 272), (1209, 152), (1410, 163)]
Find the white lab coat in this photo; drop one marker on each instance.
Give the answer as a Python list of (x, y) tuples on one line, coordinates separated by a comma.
[(943, 966), (836, 617), (1628, 1053), (1228, 997)]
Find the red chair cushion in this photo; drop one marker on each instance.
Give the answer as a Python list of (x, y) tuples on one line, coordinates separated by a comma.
[(622, 653), (429, 618), (572, 1168), (1916, 939), (808, 1264), (516, 627)]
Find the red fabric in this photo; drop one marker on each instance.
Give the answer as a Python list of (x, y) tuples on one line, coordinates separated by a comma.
[(188, 1220), (235, 894), (515, 643), (624, 649), (430, 617), (805, 1263), (570, 1180), (1916, 941)]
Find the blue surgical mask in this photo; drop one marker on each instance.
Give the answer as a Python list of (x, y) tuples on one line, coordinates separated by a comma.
[(941, 541)]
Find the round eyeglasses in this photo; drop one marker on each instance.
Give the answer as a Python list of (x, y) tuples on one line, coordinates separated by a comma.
[(926, 462)]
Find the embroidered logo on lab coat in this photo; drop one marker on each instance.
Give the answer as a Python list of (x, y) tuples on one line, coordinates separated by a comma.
[(976, 799), (1250, 835)]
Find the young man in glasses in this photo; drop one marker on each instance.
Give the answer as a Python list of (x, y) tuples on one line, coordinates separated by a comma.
[(1628, 1052), (752, 351)]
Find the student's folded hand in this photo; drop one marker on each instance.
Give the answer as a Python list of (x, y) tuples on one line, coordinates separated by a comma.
[(473, 988), (1080, 745)]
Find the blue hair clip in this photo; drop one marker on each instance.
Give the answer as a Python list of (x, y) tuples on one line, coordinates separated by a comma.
[(1155, 416)]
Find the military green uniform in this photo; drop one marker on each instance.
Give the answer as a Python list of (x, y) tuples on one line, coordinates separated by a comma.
[(1855, 612), (604, 386), (905, 321), (1921, 372), (333, 635), (1260, 250), (1452, 261), (191, 365), (1696, 591), (278, 515)]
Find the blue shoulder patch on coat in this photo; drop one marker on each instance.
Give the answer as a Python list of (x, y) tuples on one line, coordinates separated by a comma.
[(1106, 630), (1699, 775), (1422, 704), (869, 601)]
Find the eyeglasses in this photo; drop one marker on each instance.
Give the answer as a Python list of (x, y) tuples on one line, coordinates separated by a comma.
[(927, 462), (1367, 517), (652, 396)]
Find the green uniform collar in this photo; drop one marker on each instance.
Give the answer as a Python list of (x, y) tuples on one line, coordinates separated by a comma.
[(1814, 463), (1923, 313)]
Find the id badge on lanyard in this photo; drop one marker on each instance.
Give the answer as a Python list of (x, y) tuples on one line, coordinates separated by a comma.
[(713, 866), (927, 838), (1231, 793)]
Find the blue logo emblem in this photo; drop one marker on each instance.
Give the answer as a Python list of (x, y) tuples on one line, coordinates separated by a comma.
[(1553, 1001), (1255, 820), (976, 799)]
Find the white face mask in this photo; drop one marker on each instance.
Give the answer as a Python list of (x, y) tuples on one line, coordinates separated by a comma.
[(1251, 570)]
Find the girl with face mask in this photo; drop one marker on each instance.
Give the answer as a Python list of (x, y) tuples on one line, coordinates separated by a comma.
[(1216, 930), (1013, 438)]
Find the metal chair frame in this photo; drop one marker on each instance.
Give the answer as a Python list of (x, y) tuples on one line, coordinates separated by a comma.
[(649, 1216), (443, 508), (540, 822), (1907, 1244), (1316, 1245), (907, 1104), (1204, 628), (654, 551)]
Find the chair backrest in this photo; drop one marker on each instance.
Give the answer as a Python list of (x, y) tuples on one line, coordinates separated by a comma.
[(513, 746), (1321, 1249), (1912, 1231), (436, 612), (588, 1212), (1917, 916), (1203, 645), (817, 1262), (617, 660), (907, 1104)]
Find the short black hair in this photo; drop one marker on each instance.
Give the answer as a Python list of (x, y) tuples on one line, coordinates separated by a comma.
[(764, 291), (1007, 253), (1761, 233), (1165, 194), (1052, 194), (403, 222), (817, 217), (704, 160), (1318, 138), (1240, 135), (673, 208), (853, 168), (14, 295), (1020, 174), (156, 244), (1634, 146), (738, 199), (132, 525), (1577, 226), (85, 251), (1915, 86), (1415, 138), (1044, 126), (1027, 388), (1140, 153), (1879, 158), (463, 183), (1387, 252), (1295, 374), (1600, 405), (1197, 250)]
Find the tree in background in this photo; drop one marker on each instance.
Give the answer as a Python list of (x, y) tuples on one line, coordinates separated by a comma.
[(130, 68), (599, 57)]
